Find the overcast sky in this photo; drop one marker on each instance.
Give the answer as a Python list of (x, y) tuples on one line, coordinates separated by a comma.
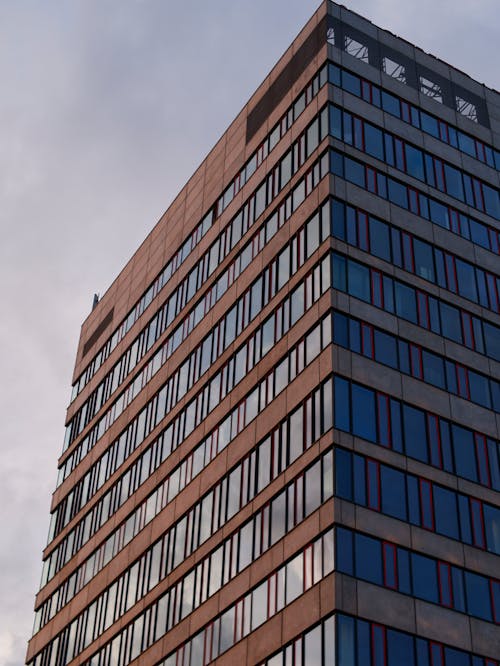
[(106, 109)]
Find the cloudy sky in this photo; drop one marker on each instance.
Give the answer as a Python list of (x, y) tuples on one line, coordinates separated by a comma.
[(106, 108)]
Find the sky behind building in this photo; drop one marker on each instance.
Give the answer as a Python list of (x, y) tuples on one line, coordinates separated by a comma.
[(107, 108)]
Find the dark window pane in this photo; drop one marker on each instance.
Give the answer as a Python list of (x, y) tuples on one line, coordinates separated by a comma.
[(379, 239), (415, 433), (393, 492), (424, 577), (386, 351), (478, 595), (368, 559), (406, 305), (445, 512), (424, 260), (358, 279), (415, 162), (400, 649), (363, 413), (374, 144)]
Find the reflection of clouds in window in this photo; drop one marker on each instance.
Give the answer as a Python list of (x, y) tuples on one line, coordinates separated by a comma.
[(294, 578)]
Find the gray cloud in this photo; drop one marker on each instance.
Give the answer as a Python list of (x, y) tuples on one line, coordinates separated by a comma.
[(107, 107)]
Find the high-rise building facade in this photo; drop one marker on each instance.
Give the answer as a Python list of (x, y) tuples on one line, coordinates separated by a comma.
[(282, 444)]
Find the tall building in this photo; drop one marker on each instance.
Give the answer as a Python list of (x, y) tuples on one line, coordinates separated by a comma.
[(282, 444)]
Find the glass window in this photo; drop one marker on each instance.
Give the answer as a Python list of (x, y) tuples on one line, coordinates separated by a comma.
[(386, 349), (393, 492), (354, 172), (492, 528), (414, 162), (358, 280), (345, 641), (368, 559), (424, 577), (374, 144), (342, 404), (424, 260), (283, 267), (343, 474), (259, 606), (415, 433), (336, 122), (466, 277), (313, 647), (379, 239), (433, 369), (363, 413), (463, 449), (478, 595), (286, 169), (390, 104), (400, 649), (397, 193), (294, 578), (406, 304), (351, 83), (450, 322), (479, 389), (445, 512), (429, 124), (454, 184)]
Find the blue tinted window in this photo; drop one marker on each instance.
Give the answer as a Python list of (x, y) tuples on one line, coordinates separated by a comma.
[(403, 557), (363, 642), (345, 557), (393, 492), (466, 280), (424, 577), (466, 143), (439, 214), (336, 122), (342, 404), (479, 389), (345, 641), (456, 657), (343, 474), (374, 144), (424, 260), (368, 555), (463, 449), (338, 219), (415, 162), (450, 322), (454, 185), (386, 351), (492, 528), (351, 83), (415, 433), (478, 595), (354, 172), (433, 369), (390, 103), (358, 280), (400, 649), (429, 124), (363, 413), (406, 305), (379, 239), (479, 234), (445, 512), (491, 201), (397, 193)]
